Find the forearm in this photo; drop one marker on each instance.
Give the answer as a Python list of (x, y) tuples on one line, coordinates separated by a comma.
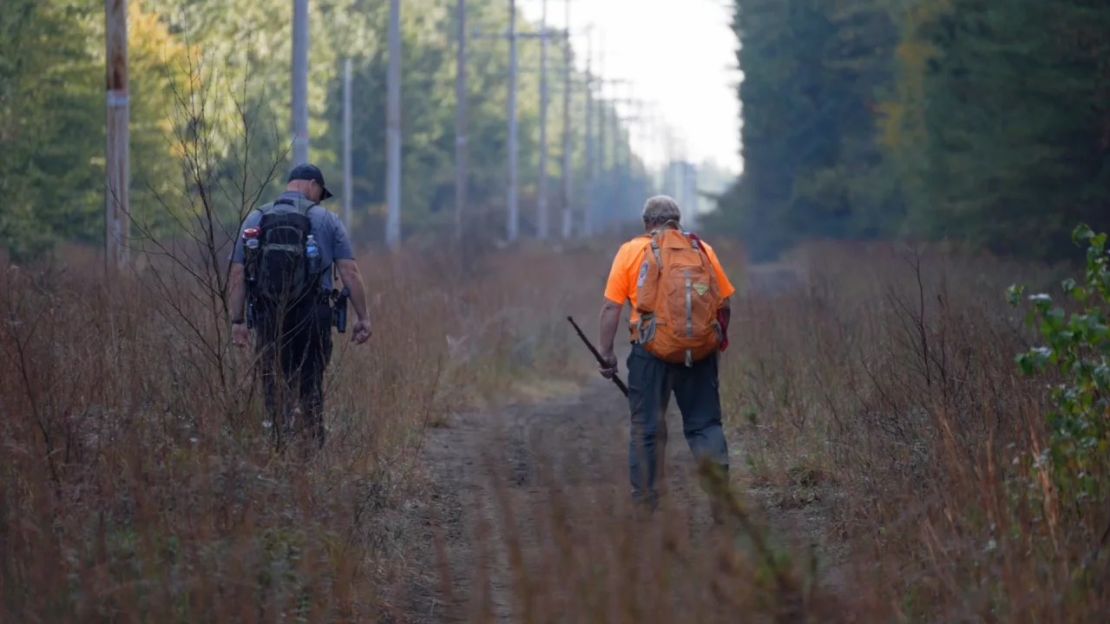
[(352, 279), (236, 292), (358, 297), (610, 322)]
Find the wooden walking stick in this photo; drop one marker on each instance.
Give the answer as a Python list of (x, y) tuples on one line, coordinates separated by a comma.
[(600, 360)]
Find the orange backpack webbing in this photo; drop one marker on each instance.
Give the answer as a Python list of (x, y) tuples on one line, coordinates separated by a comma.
[(678, 298)]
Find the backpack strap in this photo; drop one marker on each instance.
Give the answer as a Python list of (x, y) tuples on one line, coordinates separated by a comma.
[(656, 252), (260, 209), (654, 236), (289, 202), (695, 240)]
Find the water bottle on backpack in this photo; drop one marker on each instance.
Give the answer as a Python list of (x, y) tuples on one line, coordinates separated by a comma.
[(312, 253), (250, 253)]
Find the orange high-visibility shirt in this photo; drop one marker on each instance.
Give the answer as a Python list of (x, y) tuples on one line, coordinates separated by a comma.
[(624, 275)]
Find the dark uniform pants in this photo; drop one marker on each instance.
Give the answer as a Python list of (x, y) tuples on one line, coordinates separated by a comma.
[(650, 383), (293, 351)]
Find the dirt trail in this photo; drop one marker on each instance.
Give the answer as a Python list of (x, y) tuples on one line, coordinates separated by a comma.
[(499, 476)]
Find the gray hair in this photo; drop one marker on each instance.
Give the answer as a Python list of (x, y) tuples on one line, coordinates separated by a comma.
[(661, 210)]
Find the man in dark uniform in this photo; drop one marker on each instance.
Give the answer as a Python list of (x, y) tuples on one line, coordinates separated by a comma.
[(293, 341)]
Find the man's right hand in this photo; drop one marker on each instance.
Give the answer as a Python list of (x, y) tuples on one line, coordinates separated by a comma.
[(240, 335), (362, 331), (609, 368)]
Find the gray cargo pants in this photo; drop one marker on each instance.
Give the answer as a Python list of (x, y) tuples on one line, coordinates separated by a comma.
[(650, 383)]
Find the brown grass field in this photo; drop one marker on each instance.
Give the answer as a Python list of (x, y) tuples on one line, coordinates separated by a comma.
[(884, 452)]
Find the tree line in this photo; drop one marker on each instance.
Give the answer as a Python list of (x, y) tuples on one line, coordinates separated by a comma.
[(969, 120), (213, 80)]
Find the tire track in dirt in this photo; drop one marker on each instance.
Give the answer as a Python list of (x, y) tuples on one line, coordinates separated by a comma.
[(499, 476), (484, 463)]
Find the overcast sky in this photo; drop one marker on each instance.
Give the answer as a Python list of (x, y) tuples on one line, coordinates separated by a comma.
[(678, 54)]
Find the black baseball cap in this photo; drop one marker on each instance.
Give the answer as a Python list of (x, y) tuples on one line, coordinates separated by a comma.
[(309, 171)]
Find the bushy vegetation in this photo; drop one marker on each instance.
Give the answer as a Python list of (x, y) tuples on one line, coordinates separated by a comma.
[(1076, 347), (960, 119)]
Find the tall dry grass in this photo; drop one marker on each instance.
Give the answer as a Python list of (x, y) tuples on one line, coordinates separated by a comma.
[(872, 388), (886, 378), (893, 469), (139, 482), (587, 554)]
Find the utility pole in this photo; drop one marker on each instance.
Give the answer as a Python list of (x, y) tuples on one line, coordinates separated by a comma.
[(117, 210), (605, 154), (690, 192), (348, 184), (542, 219), (616, 206), (393, 129), (602, 187), (624, 136), (617, 139), (568, 156), (609, 157), (513, 201), (656, 141), (461, 101), (300, 82), (670, 187), (591, 143), (513, 226)]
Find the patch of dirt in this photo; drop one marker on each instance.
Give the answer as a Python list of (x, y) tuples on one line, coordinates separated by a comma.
[(493, 474)]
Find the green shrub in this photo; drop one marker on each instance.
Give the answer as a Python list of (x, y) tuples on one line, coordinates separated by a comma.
[(1075, 353)]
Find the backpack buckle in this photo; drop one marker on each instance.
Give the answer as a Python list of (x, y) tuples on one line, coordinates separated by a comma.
[(645, 329)]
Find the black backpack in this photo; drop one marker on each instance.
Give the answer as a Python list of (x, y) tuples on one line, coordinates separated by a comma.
[(284, 275)]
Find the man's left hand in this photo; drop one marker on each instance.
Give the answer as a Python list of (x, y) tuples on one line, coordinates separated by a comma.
[(609, 368), (362, 331)]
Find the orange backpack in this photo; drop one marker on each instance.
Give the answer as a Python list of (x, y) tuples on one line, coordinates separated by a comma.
[(678, 298)]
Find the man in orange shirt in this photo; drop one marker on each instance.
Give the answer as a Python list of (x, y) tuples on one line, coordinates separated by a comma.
[(651, 379)]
